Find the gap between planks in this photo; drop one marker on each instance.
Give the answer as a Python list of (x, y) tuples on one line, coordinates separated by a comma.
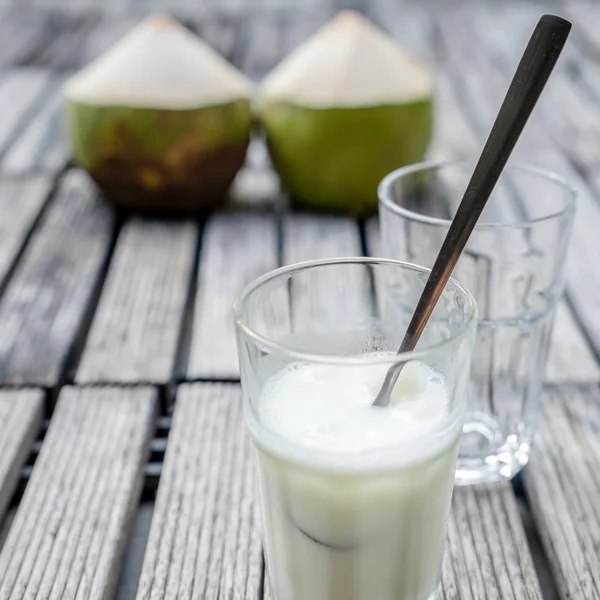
[(535, 145), (44, 303), (204, 541), (71, 526), (464, 109), (20, 421), (237, 248), (135, 332), (23, 200), (562, 483), (487, 555), (40, 144), (21, 91)]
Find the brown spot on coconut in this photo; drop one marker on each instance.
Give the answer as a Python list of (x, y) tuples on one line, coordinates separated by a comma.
[(161, 122), (345, 108)]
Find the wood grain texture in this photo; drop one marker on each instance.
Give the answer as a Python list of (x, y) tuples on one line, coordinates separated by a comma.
[(21, 35), (20, 420), (207, 8), (586, 18), (65, 49), (563, 486), (487, 82), (106, 32), (467, 105), (40, 144), (136, 328), (571, 102), (570, 357), (44, 304), (312, 237), (68, 535), (20, 90), (236, 248), (296, 28), (23, 200), (325, 299), (487, 555), (263, 47), (204, 542), (222, 32)]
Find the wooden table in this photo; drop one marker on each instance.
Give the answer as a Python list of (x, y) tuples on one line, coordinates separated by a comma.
[(117, 358)]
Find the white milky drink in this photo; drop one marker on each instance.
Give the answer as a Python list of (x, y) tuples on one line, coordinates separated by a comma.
[(354, 497)]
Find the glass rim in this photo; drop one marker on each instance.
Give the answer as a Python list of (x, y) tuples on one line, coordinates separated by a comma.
[(338, 359), (385, 185)]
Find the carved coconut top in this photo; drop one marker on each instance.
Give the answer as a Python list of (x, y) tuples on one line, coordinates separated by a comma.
[(159, 64), (349, 62)]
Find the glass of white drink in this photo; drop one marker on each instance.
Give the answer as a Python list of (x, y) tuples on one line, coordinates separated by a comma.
[(354, 497)]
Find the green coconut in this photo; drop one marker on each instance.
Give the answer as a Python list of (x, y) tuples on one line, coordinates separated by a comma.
[(161, 122), (341, 111)]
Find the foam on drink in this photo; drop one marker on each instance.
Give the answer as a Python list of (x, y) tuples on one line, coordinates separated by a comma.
[(354, 497)]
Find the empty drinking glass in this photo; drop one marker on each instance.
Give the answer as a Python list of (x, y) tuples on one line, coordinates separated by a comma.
[(514, 265)]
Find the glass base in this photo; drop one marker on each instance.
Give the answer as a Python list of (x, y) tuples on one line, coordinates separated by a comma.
[(486, 455), (327, 595)]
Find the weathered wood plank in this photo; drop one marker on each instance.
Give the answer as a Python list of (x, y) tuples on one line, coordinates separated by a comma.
[(487, 552), (330, 298), (136, 328), (263, 46), (486, 83), (20, 90), (204, 542), (487, 555), (221, 33), (23, 201), (236, 248), (69, 533), (41, 143), (65, 49), (570, 358), (586, 20), (107, 32), (569, 105), (234, 8), (21, 35), (45, 301), (295, 28), (453, 135), (134, 553), (310, 237), (563, 485), (577, 132), (465, 112), (20, 419)]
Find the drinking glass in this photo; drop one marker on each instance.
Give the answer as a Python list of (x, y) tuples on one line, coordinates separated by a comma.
[(514, 264), (354, 502)]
